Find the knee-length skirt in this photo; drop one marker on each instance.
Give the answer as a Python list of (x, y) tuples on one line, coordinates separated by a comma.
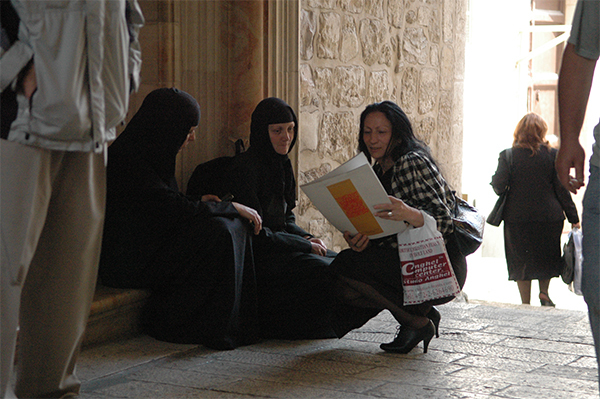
[(533, 250)]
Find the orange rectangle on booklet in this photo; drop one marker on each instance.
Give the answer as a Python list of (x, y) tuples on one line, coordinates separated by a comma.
[(354, 207)]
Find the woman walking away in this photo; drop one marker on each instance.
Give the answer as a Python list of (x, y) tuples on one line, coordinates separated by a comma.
[(535, 209)]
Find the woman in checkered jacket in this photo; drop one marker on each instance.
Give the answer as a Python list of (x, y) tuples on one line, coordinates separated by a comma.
[(369, 271)]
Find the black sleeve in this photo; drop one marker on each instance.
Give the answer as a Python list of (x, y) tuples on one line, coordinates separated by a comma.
[(565, 200), (132, 182), (180, 204), (500, 179), (282, 241), (244, 187), (291, 226)]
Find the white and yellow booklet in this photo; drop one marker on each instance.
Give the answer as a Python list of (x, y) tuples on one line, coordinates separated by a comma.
[(346, 196)]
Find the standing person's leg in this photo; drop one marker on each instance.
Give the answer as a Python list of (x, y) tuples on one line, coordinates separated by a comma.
[(24, 194), (590, 281), (544, 293), (525, 291), (60, 285), (516, 250)]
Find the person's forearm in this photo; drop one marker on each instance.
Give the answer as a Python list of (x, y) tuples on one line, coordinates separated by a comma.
[(574, 84), (414, 217)]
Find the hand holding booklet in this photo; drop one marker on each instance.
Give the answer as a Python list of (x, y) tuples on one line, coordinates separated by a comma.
[(346, 197)]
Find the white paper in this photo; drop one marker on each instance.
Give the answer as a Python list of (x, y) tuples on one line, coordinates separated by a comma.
[(370, 191)]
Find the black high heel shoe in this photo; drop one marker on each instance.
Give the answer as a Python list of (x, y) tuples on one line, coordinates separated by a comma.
[(408, 338), (546, 302), (435, 317)]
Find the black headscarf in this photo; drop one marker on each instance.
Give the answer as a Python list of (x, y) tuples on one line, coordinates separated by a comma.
[(159, 129), (268, 112)]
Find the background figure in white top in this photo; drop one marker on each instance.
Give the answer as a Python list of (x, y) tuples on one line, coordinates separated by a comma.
[(67, 69)]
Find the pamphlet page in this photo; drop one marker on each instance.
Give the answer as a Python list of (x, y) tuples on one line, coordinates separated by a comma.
[(346, 196)]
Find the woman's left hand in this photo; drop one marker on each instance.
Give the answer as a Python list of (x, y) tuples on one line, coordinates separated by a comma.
[(357, 242), (398, 210), (251, 215), (317, 241), (318, 247)]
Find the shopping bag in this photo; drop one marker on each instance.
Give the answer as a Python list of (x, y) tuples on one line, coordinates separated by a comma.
[(426, 270), (576, 258), (568, 260)]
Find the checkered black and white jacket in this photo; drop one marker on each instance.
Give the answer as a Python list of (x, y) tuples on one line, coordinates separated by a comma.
[(419, 183)]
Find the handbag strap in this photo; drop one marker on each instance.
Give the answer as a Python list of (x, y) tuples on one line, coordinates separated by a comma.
[(509, 160)]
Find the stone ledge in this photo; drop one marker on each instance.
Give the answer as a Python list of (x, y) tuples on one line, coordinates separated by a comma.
[(115, 314)]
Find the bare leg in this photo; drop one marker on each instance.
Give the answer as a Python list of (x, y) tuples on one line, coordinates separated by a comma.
[(403, 317), (525, 291)]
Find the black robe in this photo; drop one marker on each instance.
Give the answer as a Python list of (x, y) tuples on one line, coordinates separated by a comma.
[(294, 287), (295, 291), (194, 256)]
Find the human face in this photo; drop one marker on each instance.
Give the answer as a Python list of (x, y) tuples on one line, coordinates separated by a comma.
[(190, 137), (281, 135), (377, 134)]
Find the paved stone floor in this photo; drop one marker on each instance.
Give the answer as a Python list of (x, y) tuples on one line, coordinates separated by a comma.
[(486, 350)]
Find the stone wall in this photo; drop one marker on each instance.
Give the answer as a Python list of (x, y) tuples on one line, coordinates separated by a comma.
[(356, 52)]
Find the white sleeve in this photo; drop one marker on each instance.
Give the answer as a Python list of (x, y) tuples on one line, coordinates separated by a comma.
[(135, 21)]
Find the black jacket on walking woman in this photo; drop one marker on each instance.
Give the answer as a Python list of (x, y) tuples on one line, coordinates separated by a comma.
[(535, 192), (534, 212), (193, 256)]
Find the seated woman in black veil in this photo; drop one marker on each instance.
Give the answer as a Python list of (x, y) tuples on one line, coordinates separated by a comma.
[(295, 291), (194, 256), (369, 271)]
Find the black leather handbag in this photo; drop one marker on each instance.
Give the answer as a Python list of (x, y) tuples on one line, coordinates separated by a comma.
[(495, 216), (468, 226)]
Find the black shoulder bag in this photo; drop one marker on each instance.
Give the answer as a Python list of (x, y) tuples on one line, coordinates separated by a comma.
[(468, 226)]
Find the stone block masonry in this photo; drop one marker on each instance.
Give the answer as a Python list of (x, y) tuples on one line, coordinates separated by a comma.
[(356, 52)]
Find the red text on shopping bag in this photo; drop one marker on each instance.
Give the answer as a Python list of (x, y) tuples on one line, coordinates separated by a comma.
[(426, 270), (427, 273)]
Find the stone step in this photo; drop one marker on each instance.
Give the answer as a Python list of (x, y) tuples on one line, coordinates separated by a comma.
[(115, 314)]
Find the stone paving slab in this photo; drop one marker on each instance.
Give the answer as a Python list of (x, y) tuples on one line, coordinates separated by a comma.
[(485, 350)]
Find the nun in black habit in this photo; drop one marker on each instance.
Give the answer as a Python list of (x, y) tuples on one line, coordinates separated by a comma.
[(194, 256), (294, 288)]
